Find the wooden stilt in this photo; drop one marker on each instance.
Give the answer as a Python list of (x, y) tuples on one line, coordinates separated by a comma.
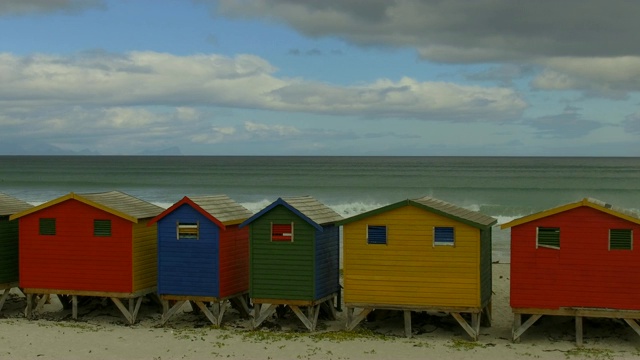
[(242, 306), (486, 317), (579, 331), (169, 312), (4, 297), (305, 320), (131, 313), (407, 323), (634, 325), (527, 324), (354, 321), (28, 311), (469, 329), (261, 316), (74, 307), (517, 322), (43, 300)]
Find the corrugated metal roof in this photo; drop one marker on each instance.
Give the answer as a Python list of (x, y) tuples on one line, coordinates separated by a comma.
[(222, 208), (10, 205), (313, 209), (455, 211), (124, 203)]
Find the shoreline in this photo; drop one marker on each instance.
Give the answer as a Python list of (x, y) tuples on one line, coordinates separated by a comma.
[(102, 333)]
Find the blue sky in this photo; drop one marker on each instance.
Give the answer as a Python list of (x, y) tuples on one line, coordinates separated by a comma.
[(333, 77)]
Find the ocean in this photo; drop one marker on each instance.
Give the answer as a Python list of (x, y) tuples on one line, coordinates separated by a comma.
[(502, 187)]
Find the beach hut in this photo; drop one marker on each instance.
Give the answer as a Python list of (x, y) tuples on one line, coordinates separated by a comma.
[(295, 250), (418, 255), (9, 244), (203, 255), (95, 244), (580, 259)]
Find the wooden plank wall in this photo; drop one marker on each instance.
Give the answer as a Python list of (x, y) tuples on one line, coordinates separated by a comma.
[(409, 270), (583, 272), (8, 250), (74, 259), (234, 261), (327, 262), (145, 255), (188, 267), (281, 270)]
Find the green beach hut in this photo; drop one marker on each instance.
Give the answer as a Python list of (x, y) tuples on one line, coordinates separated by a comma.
[(9, 243), (294, 259)]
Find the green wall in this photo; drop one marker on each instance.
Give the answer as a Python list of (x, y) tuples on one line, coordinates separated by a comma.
[(8, 250)]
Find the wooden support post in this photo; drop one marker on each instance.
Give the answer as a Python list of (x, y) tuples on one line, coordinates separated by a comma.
[(470, 330), (215, 319), (260, 317), (302, 317), (521, 329), (486, 318), (517, 322), (242, 306), (314, 319), (166, 315), (634, 325), (131, 313), (407, 323), (74, 307), (330, 308), (28, 311), (475, 323), (43, 300), (4, 297), (579, 331), (358, 318)]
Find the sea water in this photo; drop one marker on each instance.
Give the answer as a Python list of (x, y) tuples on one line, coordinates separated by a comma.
[(502, 187)]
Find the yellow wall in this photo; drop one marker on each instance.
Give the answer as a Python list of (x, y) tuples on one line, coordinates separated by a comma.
[(409, 270), (145, 256)]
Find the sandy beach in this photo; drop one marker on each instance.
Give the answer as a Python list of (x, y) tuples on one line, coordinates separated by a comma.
[(102, 333)]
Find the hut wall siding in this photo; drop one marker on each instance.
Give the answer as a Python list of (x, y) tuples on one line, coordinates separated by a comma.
[(234, 261), (8, 250), (282, 270), (188, 267), (583, 272), (74, 259), (409, 270), (327, 263), (145, 255)]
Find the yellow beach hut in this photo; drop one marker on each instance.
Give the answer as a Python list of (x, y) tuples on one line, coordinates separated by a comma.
[(418, 255)]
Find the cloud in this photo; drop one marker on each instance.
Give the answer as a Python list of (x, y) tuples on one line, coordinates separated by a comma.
[(23, 7), (245, 81), (568, 124), (461, 31), (602, 77), (632, 123)]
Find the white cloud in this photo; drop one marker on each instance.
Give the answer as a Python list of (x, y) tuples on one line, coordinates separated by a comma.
[(22, 7)]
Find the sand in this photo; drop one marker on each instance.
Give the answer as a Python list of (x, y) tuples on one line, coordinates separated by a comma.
[(102, 333)]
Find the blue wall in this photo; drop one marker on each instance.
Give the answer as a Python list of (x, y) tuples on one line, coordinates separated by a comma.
[(327, 267), (188, 267)]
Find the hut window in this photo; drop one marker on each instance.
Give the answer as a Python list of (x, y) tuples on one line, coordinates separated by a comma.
[(188, 231), (376, 234), (101, 227), (47, 227), (620, 239), (548, 237), (282, 232), (443, 236)]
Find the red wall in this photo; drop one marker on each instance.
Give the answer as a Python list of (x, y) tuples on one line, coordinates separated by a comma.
[(74, 259), (583, 272), (234, 260)]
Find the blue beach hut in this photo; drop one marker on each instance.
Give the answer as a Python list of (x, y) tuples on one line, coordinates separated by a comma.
[(203, 255)]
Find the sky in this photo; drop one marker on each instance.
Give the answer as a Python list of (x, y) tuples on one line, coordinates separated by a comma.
[(330, 77)]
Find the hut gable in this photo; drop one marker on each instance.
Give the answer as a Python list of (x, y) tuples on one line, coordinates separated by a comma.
[(307, 208), (587, 251)]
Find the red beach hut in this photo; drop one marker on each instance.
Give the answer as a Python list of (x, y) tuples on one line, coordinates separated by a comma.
[(89, 245), (581, 259)]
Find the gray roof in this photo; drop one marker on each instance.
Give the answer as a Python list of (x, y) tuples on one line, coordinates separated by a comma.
[(627, 212), (10, 205), (313, 209), (222, 208), (125, 203), (456, 211)]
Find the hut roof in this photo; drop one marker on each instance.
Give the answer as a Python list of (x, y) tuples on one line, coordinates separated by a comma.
[(114, 202), (10, 205), (602, 206), (469, 217), (218, 208), (306, 207)]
